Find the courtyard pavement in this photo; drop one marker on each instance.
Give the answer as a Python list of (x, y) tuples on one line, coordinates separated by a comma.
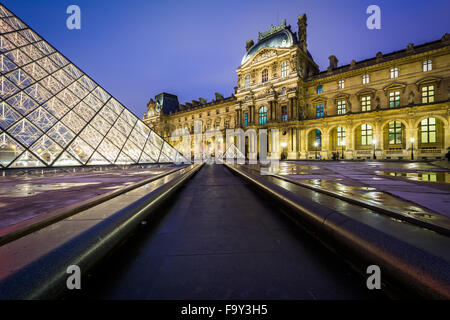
[(24, 198), (414, 186)]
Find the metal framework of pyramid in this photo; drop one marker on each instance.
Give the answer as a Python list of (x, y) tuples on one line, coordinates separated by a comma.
[(52, 114)]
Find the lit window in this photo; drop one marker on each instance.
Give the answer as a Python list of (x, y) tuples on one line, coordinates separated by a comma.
[(227, 124), (394, 99), (319, 110), (283, 91), (428, 130), (395, 132), (319, 89), (262, 115), (366, 134), (246, 119), (318, 138), (285, 69), (428, 94), (265, 75), (366, 103), (427, 65), (341, 107), (340, 136), (341, 84), (365, 79), (284, 116), (247, 81), (394, 73)]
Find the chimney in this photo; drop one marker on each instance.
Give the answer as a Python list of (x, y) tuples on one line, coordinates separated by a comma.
[(302, 32), (333, 62)]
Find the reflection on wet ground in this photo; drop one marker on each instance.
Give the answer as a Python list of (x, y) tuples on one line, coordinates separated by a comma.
[(26, 196), (441, 177), (366, 182), (369, 195)]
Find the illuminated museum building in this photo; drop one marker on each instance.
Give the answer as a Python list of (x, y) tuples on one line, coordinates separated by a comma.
[(387, 104)]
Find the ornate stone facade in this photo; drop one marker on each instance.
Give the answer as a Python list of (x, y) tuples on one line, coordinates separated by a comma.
[(385, 106)]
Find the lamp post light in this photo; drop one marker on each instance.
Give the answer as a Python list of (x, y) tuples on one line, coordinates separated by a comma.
[(315, 145), (343, 145), (374, 141), (412, 148)]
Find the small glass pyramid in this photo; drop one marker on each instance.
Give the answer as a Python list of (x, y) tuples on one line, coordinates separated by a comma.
[(52, 114)]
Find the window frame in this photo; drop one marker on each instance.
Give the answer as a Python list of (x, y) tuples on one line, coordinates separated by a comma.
[(247, 81), (265, 75), (366, 134), (430, 129), (340, 136), (319, 111), (394, 99), (430, 95), (262, 115), (397, 131), (341, 84), (284, 69), (366, 103), (366, 78), (394, 72), (284, 114), (427, 65), (341, 106)]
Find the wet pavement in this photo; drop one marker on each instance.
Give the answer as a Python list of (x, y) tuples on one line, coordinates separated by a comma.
[(23, 197), (416, 188), (220, 239)]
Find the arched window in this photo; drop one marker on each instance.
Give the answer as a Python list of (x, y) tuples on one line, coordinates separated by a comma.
[(262, 115), (428, 130), (318, 138), (265, 75), (395, 132), (366, 134), (247, 81), (285, 69), (340, 136)]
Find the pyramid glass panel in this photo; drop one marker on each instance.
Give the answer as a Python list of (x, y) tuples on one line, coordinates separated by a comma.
[(52, 114), (9, 149), (8, 115), (26, 160)]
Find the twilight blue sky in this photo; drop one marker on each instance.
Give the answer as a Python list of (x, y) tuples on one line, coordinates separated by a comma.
[(136, 49)]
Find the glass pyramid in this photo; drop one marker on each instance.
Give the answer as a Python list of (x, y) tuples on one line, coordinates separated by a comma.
[(52, 114)]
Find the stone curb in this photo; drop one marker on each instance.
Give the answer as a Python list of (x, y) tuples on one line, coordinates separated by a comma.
[(45, 278), (417, 271), (22, 228)]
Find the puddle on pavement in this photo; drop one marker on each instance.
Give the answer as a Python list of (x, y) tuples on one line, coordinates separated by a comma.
[(441, 177)]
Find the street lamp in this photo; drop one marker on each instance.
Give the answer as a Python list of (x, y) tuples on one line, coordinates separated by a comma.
[(315, 145), (343, 145), (374, 141), (412, 148)]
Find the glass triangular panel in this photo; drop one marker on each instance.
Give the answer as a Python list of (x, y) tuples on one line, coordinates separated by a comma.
[(145, 158), (42, 119), (27, 159), (46, 149), (24, 132), (9, 149), (124, 159), (97, 158), (8, 115), (80, 150), (65, 160)]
